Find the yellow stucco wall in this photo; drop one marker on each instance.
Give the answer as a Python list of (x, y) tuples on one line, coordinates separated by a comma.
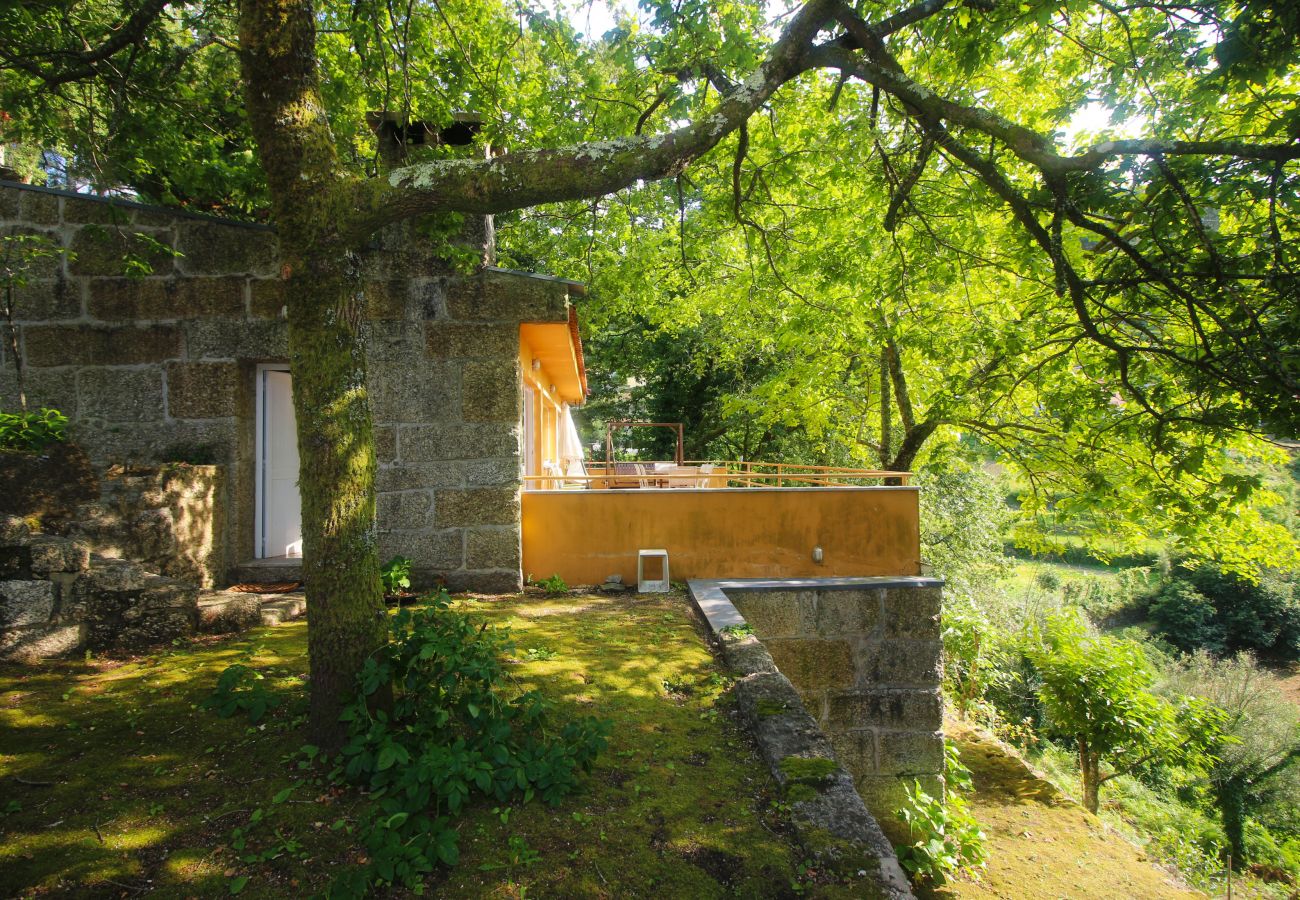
[(585, 536)]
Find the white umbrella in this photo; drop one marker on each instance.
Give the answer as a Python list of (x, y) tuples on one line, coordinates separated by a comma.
[(570, 449)]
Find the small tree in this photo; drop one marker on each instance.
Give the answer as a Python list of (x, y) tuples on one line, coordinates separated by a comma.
[(1097, 693), (18, 252)]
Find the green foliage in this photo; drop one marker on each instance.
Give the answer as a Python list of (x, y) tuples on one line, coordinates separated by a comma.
[(1097, 693), (553, 585), (32, 432), (1205, 608), (396, 575), (240, 689), (946, 839), (450, 732)]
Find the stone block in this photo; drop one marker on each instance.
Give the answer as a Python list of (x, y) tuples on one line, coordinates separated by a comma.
[(414, 476), (899, 662), (53, 388), (10, 202), (148, 443), (910, 753), (112, 251), (884, 707), (431, 443), (414, 391), (266, 298), (475, 340), (39, 208), (777, 614), (492, 548), (386, 299), (14, 530), (845, 613), (100, 345), (505, 471), (121, 395), (476, 506), (506, 297), (404, 511), (135, 299), (503, 582), (95, 211), (217, 248), (385, 443), (811, 664), (32, 645), (47, 299), (228, 612), (490, 392), (913, 612), (399, 342), (26, 603), (748, 656), (46, 256), (856, 751), (437, 551), (259, 339), (202, 390), (54, 554), (113, 576)]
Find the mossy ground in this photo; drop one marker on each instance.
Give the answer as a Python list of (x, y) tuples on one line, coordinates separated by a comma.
[(116, 783), (1041, 844)]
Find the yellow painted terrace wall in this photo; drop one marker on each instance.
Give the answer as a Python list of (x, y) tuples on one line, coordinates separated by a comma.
[(586, 536)]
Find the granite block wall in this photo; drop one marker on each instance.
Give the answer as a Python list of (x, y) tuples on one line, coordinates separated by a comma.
[(147, 327), (867, 664)]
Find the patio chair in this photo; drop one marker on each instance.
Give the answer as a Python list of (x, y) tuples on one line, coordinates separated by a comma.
[(626, 469)]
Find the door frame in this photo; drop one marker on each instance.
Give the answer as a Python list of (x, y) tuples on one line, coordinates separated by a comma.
[(259, 459)]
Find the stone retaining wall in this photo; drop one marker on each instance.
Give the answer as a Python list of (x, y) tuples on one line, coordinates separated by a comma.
[(865, 656), (170, 519), (160, 367)]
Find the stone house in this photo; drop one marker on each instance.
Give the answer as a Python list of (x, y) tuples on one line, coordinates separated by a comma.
[(188, 363)]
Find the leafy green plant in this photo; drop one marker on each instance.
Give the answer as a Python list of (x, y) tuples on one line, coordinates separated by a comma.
[(32, 432), (945, 836), (240, 689), (1097, 692), (449, 732), (396, 575), (553, 585)]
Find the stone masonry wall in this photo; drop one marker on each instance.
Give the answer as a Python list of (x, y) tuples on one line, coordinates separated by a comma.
[(161, 367), (867, 664), (168, 518)]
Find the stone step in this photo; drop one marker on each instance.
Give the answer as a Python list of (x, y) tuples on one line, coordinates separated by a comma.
[(222, 612), (267, 572)]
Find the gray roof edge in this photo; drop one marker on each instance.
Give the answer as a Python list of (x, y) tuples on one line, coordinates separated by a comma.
[(136, 204)]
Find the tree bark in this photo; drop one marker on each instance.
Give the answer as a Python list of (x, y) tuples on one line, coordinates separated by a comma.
[(886, 411), (1089, 768), (346, 619)]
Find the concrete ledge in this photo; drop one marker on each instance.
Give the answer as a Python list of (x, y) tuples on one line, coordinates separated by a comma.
[(830, 819)]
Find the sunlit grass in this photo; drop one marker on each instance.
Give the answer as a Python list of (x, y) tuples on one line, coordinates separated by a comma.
[(145, 787)]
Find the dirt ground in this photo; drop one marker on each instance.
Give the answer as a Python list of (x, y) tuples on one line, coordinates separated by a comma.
[(1043, 845)]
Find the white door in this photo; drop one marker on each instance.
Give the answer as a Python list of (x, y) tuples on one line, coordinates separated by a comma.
[(530, 436), (279, 506)]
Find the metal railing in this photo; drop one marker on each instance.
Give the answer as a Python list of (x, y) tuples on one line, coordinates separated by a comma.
[(716, 474)]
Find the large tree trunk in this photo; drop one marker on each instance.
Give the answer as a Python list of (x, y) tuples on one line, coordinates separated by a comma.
[(346, 617), (345, 609)]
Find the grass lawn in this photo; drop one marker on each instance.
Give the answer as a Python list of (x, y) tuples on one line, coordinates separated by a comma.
[(116, 784)]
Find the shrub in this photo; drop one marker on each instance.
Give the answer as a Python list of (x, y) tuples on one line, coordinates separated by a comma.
[(945, 836), (32, 432), (449, 733), (1224, 613)]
